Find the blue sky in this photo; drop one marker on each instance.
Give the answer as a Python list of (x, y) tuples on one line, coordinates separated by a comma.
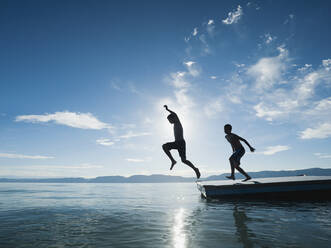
[(83, 84)]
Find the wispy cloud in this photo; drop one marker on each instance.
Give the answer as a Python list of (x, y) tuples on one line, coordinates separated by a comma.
[(195, 31), (71, 119), (105, 142), (320, 108), (305, 68), (322, 155), (205, 46), (267, 71), (192, 68), (268, 38), (234, 16), (271, 150), (138, 160), (239, 65), (213, 108), (211, 27), (131, 134), (281, 95), (115, 86), (178, 79), (322, 131), (289, 18), (327, 64), (21, 156)]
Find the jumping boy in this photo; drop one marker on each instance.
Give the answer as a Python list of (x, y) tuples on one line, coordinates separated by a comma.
[(238, 151), (179, 143)]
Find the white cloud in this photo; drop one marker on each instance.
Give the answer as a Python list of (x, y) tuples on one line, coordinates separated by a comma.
[(305, 68), (294, 94), (76, 120), (192, 68), (178, 79), (239, 65), (131, 134), (268, 38), (270, 150), (195, 31), (133, 89), (115, 86), (236, 88), (148, 121), (290, 18), (213, 77), (322, 155), (21, 156), (135, 160), (266, 112), (321, 107), (327, 64), (233, 17), (105, 142), (183, 99), (306, 87), (189, 63), (213, 108), (268, 71), (138, 160), (322, 131), (211, 27), (205, 47)]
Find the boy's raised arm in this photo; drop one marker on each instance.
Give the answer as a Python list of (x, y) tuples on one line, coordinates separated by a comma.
[(166, 107), (246, 142)]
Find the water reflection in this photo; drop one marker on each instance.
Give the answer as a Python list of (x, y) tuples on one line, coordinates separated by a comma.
[(243, 233), (179, 237)]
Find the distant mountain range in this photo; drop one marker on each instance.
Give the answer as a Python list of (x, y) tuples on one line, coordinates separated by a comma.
[(165, 178)]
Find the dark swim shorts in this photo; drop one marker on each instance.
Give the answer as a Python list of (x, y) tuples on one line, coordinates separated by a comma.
[(179, 145), (237, 155)]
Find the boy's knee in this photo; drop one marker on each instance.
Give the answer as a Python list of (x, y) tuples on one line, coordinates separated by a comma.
[(165, 147)]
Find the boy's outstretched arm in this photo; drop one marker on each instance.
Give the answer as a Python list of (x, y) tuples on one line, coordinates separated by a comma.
[(171, 112), (246, 142)]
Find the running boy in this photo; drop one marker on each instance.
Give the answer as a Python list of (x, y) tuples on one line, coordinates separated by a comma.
[(179, 143), (238, 151)]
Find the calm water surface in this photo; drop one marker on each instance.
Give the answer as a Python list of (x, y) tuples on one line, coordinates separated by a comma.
[(152, 215)]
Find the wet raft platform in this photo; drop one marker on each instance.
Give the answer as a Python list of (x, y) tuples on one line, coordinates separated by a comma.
[(299, 187)]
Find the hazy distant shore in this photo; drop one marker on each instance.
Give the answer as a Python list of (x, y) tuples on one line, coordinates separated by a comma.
[(166, 178)]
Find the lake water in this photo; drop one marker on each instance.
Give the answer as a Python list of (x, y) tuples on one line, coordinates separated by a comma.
[(152, 215)]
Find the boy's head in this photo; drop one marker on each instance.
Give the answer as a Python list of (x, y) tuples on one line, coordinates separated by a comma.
[(172, 118), (227, 128)]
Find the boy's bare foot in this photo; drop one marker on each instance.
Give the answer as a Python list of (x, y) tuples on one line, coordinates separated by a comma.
[(172, 164), (247, 178), (230, 177), (197, 172)]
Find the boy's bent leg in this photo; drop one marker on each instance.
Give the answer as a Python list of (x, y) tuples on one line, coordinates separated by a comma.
[(166, 148)]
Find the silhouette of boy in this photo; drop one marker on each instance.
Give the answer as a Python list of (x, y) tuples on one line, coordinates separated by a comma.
[(238, 151), (179, 143)]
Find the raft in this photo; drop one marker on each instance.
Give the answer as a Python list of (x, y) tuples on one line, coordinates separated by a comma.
[(298, 187)]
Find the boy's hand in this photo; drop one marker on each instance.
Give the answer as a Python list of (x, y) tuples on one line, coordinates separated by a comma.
[(252, 149), (166, 107)]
